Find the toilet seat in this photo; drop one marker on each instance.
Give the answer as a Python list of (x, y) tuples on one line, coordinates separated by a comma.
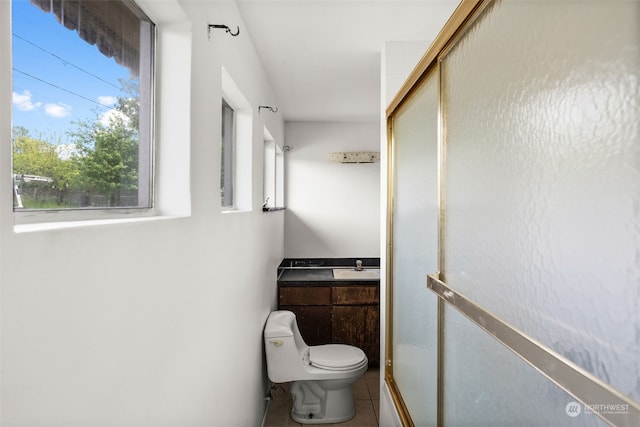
[(336, 357)]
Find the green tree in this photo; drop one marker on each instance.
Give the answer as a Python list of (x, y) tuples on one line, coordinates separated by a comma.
[(107, 159), (32, 156), (107, 150), (35, 156)]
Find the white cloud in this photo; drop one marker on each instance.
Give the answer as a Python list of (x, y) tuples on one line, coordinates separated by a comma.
[(23, 101), (107, 100), (66, 151), (107, 117), (58, 110)]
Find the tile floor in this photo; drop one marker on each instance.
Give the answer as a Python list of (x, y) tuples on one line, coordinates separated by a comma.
[(366, 392)]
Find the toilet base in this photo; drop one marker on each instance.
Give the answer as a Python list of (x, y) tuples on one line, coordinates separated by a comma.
[(322, 402)]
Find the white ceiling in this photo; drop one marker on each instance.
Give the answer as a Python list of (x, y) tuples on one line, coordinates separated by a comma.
[(322, 57)]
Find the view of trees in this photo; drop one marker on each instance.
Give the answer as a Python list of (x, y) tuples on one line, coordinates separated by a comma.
[(98, 169)]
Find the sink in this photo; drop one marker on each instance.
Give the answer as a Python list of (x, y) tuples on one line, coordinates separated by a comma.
[(353, 274)]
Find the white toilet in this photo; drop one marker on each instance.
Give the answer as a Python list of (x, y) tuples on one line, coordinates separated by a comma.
[(321, 375)]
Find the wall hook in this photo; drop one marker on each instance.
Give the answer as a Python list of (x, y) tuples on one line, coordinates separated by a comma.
[(227, 29), (273, 110)]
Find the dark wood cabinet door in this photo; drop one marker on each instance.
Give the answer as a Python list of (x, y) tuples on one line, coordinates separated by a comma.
[(358, 326)]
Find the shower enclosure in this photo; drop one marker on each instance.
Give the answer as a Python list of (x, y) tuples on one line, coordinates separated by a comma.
[(514, 226)]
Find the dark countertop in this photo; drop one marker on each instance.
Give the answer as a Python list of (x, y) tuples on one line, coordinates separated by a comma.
[(319, 277), (307, 275), (319, 272)]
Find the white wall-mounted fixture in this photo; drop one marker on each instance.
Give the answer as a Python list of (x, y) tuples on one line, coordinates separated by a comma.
[(355, 157)]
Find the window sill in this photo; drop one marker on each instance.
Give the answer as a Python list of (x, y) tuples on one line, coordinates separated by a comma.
[(232, 211), (48, 226)]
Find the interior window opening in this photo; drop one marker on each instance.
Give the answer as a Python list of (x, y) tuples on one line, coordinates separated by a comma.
[(273, 175), (226, 155), (236, 151)]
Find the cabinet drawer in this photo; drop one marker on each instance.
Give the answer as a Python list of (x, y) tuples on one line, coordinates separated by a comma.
[(305, 296), (355, 295)]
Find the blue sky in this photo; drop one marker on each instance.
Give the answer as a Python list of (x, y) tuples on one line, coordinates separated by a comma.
[(58, 78)]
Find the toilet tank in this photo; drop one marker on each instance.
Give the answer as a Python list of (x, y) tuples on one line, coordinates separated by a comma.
[(279, 324), (284, 347)]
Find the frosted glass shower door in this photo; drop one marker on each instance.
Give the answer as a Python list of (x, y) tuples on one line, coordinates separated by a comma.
[(525, 214), (414, 255), (541, 220)]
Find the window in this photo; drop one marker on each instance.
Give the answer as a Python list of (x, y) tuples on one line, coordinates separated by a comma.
[(236, 148), (273, 179), (269, 172), (226, 156), (279, 177), (82, 105)]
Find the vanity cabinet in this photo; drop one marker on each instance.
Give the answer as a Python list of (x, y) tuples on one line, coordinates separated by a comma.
[(336, 314)]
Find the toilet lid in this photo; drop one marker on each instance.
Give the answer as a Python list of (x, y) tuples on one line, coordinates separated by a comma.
[(337, 357)]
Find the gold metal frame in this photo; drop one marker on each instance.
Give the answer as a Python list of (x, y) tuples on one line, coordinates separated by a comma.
[(396, 396), (574, 380)]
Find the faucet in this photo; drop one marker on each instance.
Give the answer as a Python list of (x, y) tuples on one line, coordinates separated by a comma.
[(359, 265)]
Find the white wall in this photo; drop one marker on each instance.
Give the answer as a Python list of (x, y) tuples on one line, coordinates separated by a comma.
[(157, 322), (333, 209)]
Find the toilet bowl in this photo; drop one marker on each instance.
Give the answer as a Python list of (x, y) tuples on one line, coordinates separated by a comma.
[(321, 376)]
